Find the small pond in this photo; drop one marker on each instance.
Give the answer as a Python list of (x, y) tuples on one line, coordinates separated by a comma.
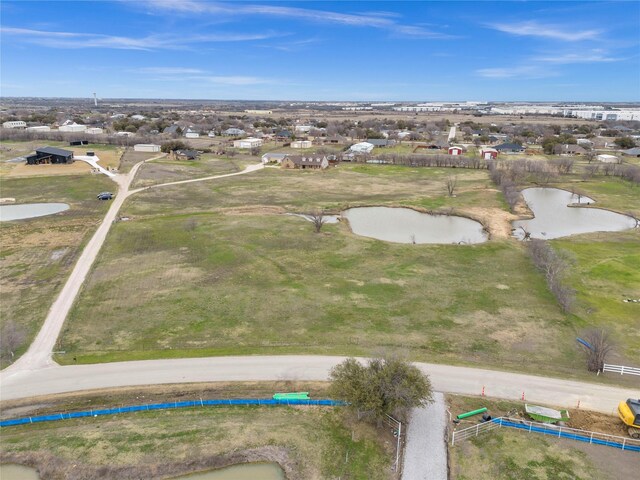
[(554, 218), (11, 471), (247, 471), (30, 210), (404, 225)]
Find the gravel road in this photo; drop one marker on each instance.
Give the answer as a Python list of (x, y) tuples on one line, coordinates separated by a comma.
[(425, 455)]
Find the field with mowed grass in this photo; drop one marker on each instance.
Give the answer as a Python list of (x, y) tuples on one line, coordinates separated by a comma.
[(213, 268), (308, 442), (37, 254)]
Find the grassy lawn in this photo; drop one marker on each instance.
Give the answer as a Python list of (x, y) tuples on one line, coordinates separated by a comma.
[(36, 255), (168, 170), (221, 277), (309, 442), (605, 271)]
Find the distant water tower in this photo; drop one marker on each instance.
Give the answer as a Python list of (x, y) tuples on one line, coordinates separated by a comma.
[(95, 99)]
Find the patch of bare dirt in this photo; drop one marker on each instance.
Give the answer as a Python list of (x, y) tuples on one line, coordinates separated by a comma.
[(497, 221), (596, 422), (253, 210)]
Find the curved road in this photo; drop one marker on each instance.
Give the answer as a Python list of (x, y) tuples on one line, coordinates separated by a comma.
[(445, 378)]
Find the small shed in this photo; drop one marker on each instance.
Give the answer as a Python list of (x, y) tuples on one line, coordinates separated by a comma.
[(489, 153), (301, 144), (455, 150), (604, 158), (247, 143), (146, 147)]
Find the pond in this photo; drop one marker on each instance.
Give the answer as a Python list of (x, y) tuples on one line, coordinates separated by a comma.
[(247, 471), (554, 218), (30, 210), (404, 225), (11, 471)]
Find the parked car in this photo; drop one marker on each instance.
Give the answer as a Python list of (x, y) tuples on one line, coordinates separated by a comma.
[(105, 196)]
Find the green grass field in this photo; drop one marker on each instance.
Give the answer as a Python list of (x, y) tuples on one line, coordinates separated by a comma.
[(311, 442), (216, 275), (38, 254)]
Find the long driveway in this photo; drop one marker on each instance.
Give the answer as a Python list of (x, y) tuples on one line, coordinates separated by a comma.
[(39, 354), (445, 378)]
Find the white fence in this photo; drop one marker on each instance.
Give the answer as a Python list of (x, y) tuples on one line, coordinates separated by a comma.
[(595, 438), (397, 432), (621, 369)]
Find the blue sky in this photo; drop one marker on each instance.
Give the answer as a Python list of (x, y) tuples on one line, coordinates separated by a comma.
[(402, 51)]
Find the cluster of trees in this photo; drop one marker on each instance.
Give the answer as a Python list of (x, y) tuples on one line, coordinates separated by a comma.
[(173, 145), (380, 387), (503, 179), (554, 266), (549, 143)]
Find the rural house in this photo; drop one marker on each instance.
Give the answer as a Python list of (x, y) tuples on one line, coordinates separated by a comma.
[(569, 149), (47, 155), (316, 162), (247, 143), (185, 154), (234, 132), (509, 148), (273, 157), (381, 142)]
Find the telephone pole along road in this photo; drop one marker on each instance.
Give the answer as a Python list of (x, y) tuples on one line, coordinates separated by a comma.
[(444, 378)]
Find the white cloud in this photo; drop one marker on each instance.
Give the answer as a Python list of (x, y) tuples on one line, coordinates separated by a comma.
[(593, 56), (533, 28), (168, 70), (517, 71), (74, 40), (236, 80), (380, 20)]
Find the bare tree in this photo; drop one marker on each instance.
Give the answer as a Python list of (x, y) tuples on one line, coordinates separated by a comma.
[(554, 267), (452, 184), (11, 339), (318, 219), (600, 347)]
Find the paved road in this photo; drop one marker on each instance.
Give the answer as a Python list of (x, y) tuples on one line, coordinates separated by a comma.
[(93, 161), (425, 455), (445, 378)]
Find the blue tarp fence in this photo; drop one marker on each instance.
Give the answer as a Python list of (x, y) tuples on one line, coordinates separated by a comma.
[(164, 406), (570, 434)]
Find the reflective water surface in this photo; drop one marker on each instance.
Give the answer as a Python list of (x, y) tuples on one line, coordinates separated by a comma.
[(404, 225), (554, 218), (30, 210)]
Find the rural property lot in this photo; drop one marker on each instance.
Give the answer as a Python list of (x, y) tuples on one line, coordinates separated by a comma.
[(214, 275), (38, 254)]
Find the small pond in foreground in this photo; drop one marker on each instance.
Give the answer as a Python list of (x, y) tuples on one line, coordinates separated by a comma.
[(404, 225), (11, 471), (247, 471), (30, 210), (554, 218)]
